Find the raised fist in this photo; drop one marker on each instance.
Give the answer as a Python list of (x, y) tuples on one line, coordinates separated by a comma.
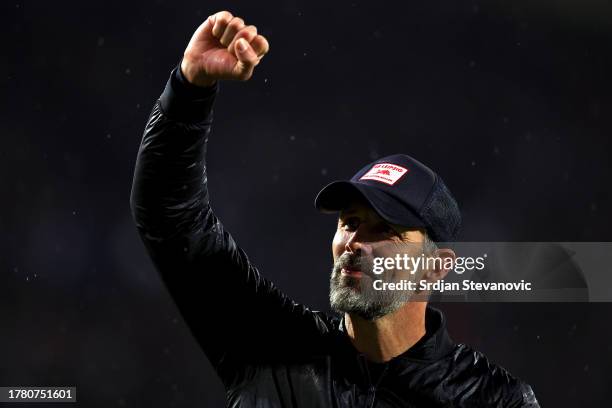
[(223, 47)]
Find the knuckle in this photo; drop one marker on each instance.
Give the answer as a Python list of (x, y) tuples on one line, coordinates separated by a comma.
[(248, 32), (236, 23), (224, 15), (263, 43), (222, 22)]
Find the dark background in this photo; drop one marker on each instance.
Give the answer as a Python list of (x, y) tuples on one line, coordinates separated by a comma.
[(508, 100)]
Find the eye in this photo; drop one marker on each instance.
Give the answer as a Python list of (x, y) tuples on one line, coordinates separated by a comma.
[(387, 229), (350, 224)]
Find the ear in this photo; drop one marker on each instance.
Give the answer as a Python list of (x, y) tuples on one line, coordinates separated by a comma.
[(442, 266)]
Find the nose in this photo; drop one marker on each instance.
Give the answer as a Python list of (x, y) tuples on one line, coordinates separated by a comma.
[(355, 244)]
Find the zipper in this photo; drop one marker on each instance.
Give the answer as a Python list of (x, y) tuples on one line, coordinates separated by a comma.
[(363, 364), (371, 395)]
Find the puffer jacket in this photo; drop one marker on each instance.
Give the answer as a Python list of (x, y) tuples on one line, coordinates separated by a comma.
[(268, 350)]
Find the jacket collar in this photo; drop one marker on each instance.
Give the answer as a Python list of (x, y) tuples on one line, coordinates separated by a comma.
[(435, 344)]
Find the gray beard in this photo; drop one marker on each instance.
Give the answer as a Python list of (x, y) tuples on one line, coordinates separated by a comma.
[(357, 296)]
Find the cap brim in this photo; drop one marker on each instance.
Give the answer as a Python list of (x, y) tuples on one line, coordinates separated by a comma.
[(338, 195)]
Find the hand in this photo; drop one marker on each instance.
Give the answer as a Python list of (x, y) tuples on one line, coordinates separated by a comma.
[(223, 47)]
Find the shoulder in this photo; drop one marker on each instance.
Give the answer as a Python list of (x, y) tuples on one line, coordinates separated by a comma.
[(480, 381), (327, 324)]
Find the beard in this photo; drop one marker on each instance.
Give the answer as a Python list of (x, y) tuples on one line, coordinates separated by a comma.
[(356, 295)]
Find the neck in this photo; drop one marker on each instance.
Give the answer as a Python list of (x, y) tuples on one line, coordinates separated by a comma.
[(389, 336)]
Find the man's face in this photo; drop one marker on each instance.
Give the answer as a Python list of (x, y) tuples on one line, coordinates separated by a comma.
[(361, 236)]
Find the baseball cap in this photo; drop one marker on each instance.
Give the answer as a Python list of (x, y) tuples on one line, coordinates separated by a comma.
[(403, 191)]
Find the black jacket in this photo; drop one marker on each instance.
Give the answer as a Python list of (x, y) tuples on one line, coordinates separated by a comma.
[(268, 350)]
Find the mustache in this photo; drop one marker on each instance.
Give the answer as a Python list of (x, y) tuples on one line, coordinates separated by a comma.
[(353, 262)]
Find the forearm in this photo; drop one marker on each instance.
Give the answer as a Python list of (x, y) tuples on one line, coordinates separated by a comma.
[(169, 193)]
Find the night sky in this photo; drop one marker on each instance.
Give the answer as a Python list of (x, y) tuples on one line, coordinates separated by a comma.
[(509, 101)]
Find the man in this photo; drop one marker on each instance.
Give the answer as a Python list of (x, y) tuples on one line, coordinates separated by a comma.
[(389, 349)]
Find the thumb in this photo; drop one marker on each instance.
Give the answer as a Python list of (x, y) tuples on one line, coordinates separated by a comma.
[(247, 59)]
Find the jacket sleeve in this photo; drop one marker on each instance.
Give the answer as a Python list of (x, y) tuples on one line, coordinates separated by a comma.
[(529, 399), (231, 309)]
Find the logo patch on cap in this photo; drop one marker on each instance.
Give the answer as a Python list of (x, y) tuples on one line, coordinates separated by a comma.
[(387, 173)]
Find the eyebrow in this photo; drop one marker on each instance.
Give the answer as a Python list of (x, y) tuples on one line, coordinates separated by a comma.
[(349, 211)]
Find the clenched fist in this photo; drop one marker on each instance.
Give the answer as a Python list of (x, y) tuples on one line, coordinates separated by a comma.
[(223, 47)]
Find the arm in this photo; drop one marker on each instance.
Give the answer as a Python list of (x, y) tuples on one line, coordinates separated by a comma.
[(529, 399), (231, 309)]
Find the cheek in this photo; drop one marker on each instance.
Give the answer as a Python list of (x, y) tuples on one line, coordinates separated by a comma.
[(338, 244)]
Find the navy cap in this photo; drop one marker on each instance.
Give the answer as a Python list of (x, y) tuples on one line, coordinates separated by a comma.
[(403, 191)]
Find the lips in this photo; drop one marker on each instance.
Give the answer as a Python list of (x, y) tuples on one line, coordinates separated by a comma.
[(354, 273)]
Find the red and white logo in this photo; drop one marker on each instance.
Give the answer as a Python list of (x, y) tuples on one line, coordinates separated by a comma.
[(385, 172)]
